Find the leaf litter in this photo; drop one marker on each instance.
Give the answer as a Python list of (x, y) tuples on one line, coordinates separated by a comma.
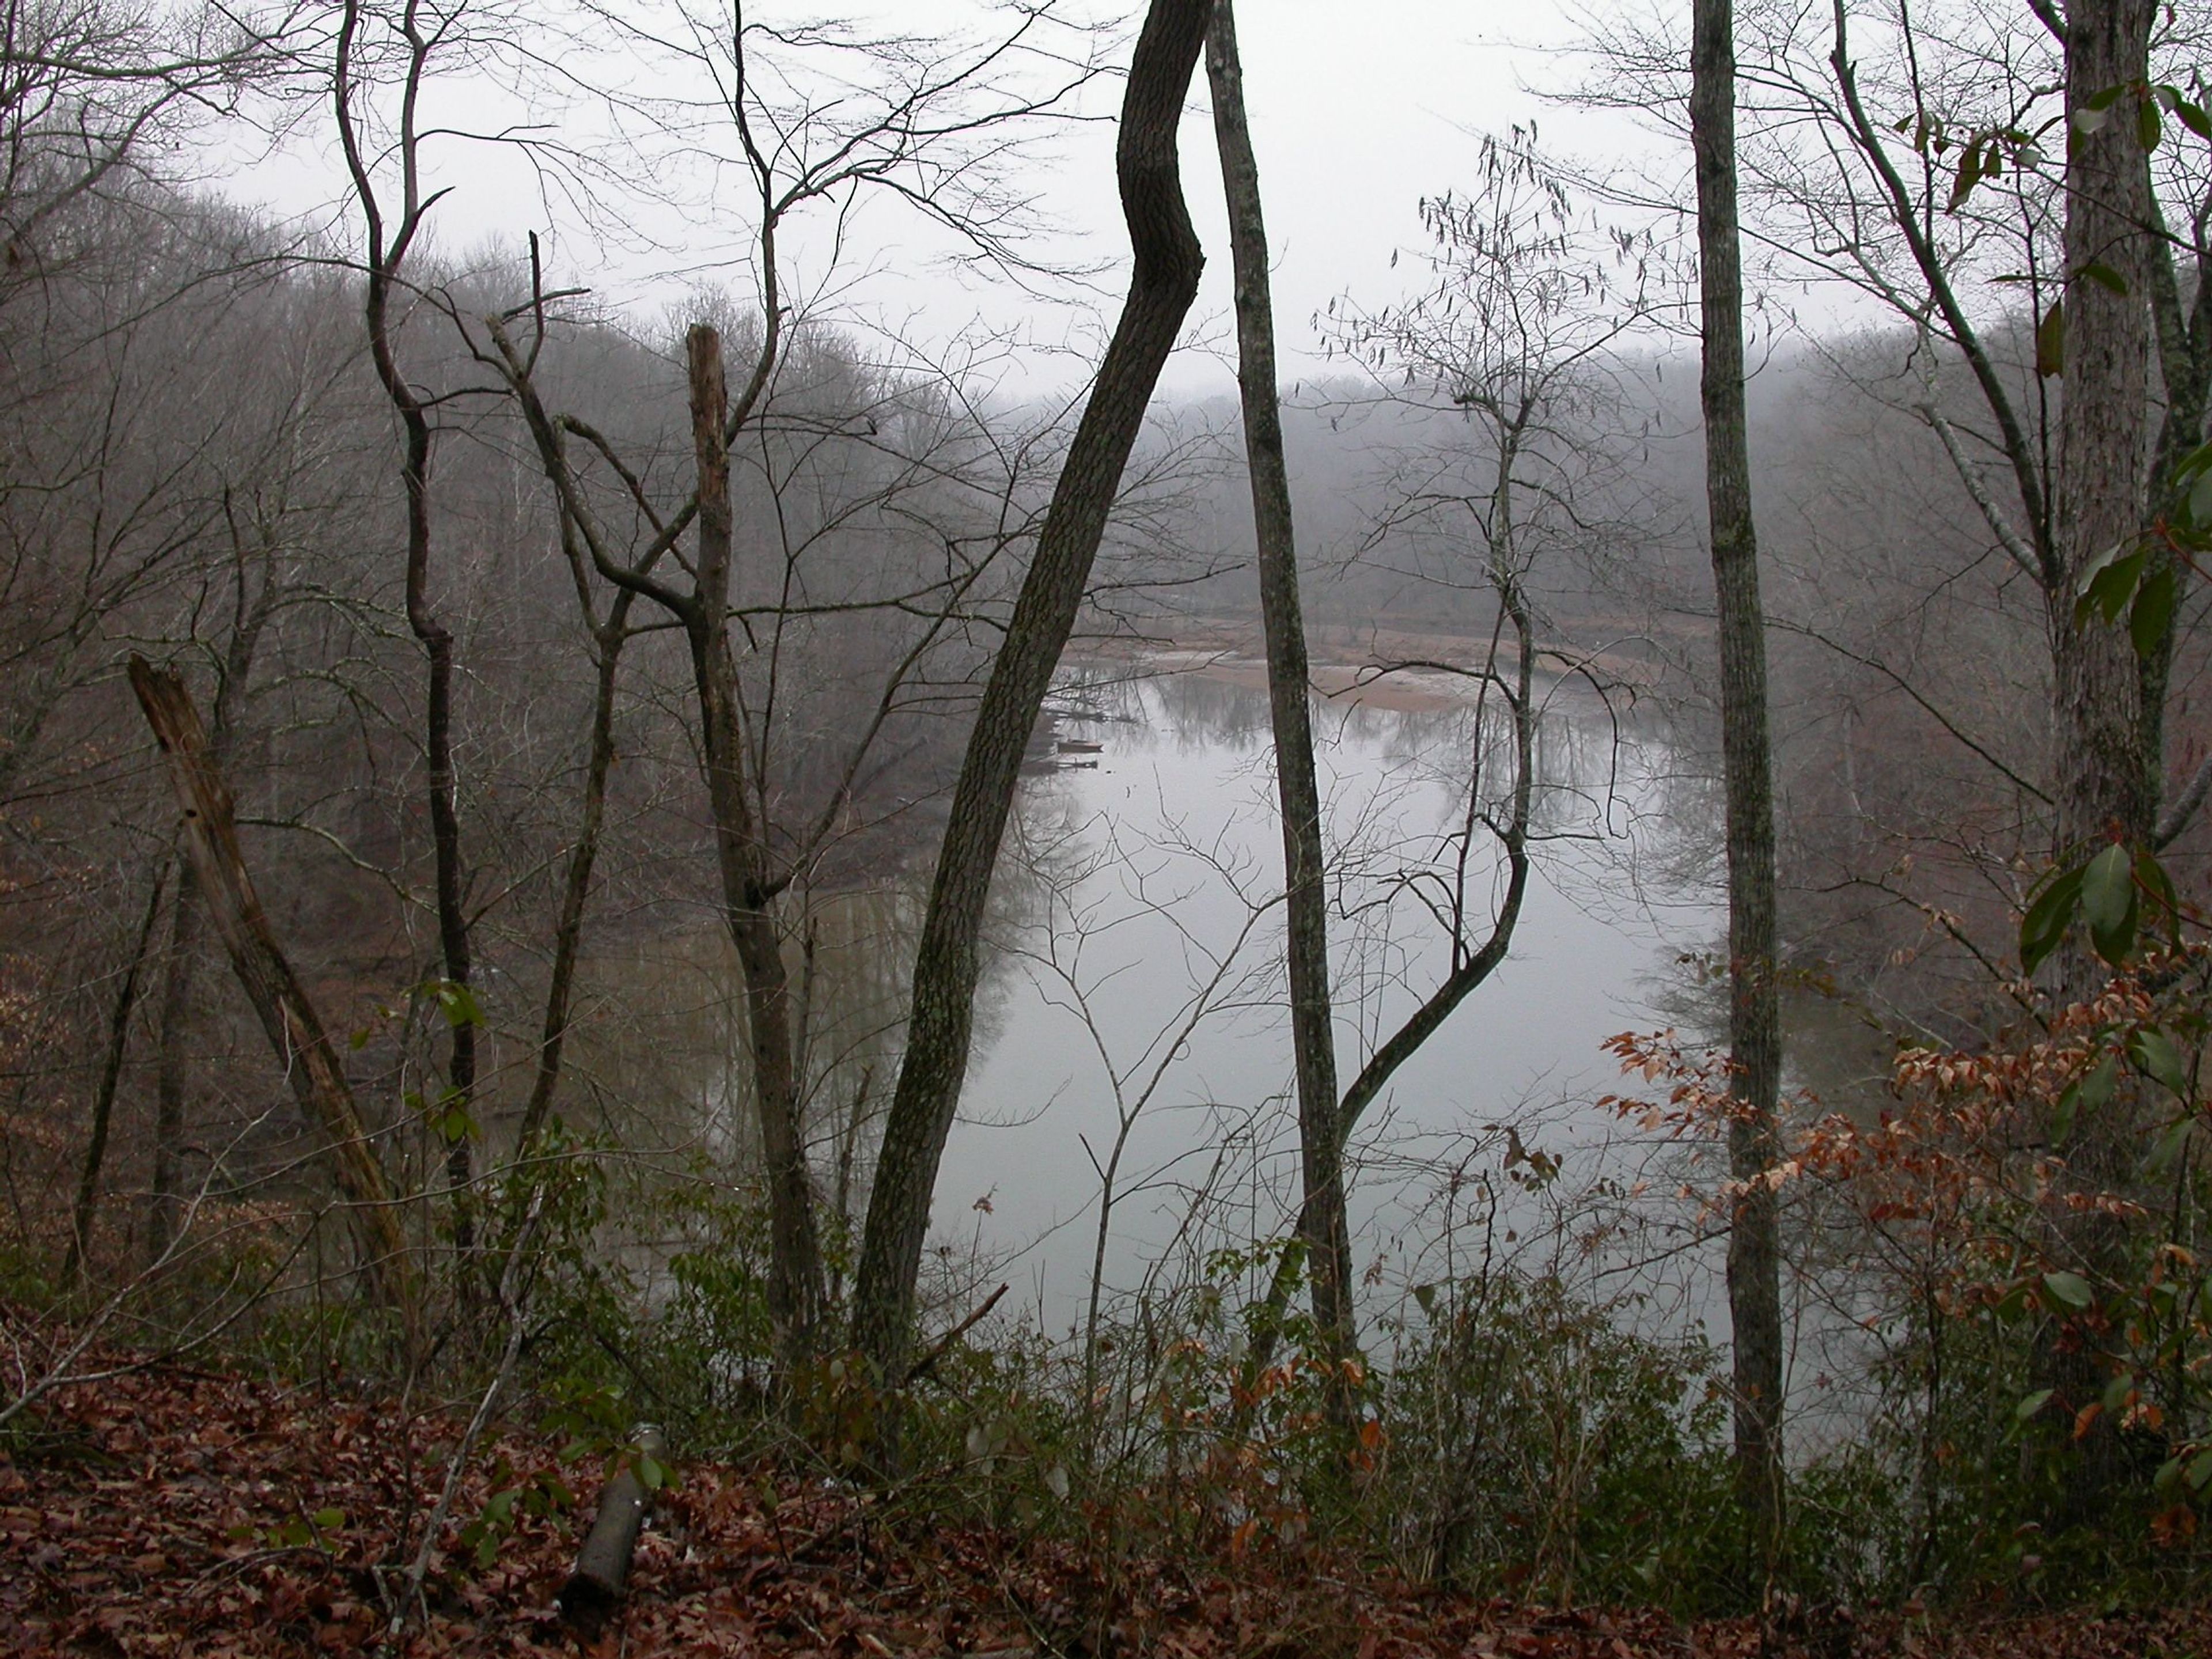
[(177, 1512)]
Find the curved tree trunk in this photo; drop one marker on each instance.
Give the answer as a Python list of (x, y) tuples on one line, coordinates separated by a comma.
[(1755, 1008), (946, 962)]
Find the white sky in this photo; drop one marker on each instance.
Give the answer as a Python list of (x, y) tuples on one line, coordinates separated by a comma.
[(1357, 112)]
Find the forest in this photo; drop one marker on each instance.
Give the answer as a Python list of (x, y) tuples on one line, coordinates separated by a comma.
[(755, 899)]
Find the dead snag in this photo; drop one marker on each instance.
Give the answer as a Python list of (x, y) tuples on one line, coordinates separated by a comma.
[(310, 1063)]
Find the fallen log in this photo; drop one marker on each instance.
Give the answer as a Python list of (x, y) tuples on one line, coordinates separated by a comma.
[(595, 1588)]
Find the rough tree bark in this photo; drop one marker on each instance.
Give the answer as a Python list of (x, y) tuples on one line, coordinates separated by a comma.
[(1755, 1008), (750, 884), (2107, 767), (1322, 1220), (294, 1031), (1161, 291), (2107, 782)]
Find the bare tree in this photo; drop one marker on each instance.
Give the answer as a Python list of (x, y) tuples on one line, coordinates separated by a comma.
[(1515, 339), (417, 31)]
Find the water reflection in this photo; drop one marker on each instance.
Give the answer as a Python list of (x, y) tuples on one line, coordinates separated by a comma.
[(1145, 957)]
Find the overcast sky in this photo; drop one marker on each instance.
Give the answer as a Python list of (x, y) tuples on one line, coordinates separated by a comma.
[(1358, 112)]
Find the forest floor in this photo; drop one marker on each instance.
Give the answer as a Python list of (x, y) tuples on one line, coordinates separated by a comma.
[(178, 1512)]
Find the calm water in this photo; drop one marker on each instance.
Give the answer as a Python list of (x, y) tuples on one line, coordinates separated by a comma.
[(1138, 995)]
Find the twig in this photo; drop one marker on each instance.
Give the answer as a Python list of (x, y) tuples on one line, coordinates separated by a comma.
[(512, 1301)]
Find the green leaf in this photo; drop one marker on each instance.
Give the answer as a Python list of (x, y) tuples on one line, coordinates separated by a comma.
[(650, 1474), (1970, 173), (2152, 615), (2200, 1471), (2102, 274), (457, 1003), (2191, 116), (2090, 119), (2063, 1114), (2108, 901), (2048, 916), (2051, 340), (2167, 1147), (2097, 1087), (2069, 1289), (2092, 1092), (2148, 129), (2034, 1403), (2152, 879), (330, 1520), (2154, 1052), (2109, 584)]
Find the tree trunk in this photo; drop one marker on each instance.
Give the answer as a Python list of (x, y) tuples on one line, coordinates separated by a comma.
[(2106, 784), (437, 642), (1322, 1220), (449, 880), (173, 1066), (294, 1031), (111, 1078), (1754, 1009), (2106, 768), (1164, 285), (576, 889), (749, 887)]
